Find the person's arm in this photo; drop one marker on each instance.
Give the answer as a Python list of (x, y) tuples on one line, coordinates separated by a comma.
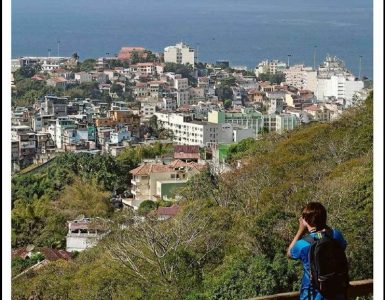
[(300, 232)]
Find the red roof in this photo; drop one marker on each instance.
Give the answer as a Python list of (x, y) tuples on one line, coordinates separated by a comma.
[(147, 169), (125, 52), (49, 253), (168, 211), (186, 148), (183, 155)]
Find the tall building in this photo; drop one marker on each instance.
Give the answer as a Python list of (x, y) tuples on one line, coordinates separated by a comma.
[(335, 80), (301, 77), (269, 67), (180, 54)]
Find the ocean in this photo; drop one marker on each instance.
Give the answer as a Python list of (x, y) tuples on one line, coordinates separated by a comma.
[(243, 32)]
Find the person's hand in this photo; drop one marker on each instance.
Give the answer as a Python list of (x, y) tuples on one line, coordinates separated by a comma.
[(302, 225)]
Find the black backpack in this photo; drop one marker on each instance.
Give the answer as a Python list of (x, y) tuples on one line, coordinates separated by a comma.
[(328, 265)]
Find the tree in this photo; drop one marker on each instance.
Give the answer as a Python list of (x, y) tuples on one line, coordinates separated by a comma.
[(273, 78), (227, 103), (224, 92), (146, 206), (116, 88), (88, 65)]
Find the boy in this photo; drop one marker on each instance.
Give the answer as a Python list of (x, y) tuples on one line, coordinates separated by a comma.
[(314, 220)]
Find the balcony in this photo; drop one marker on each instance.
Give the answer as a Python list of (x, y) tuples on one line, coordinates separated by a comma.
[(357, 289)]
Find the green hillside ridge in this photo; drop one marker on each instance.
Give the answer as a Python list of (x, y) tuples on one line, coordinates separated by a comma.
[(230, 238)]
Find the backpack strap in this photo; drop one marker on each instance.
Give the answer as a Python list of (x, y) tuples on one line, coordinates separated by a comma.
[(308, 238)]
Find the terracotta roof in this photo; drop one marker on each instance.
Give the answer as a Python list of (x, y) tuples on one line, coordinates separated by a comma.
[(186, 148), (168, 211), (313, 107), (58, 79), (125, 52), (49, 253), (37, 77), (147, 169), (144, 64), (183, 155)]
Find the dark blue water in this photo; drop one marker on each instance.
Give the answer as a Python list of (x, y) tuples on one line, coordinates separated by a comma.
[(243, 32)]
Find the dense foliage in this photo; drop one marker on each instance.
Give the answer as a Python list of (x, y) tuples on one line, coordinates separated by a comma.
[(75, 183), (230, 238)]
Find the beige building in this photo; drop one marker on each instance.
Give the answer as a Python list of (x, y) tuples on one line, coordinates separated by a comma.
[(156, 181), (180, 54), (301, 77)]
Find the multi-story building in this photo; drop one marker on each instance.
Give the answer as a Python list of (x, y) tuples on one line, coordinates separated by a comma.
[(144, 68), (147, 110), (180, 54), (336, 81), (156, 181), (169, 104), (82, 77), (119, 135), (187, 131), (338, 86), (47, 63), (318, 113), (270, 67), (246, 117), (54, 106), (124, 117), (301, 77)]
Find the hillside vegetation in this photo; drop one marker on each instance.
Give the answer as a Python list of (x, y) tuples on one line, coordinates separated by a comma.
[(230, 238)]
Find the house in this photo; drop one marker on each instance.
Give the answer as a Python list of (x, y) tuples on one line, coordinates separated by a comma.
[(124, 117), (126, 53), (84, 233), (48, 253), (83, 77), (58, 82), (318, 112), (155, 180), (186, 153), (164, 213)]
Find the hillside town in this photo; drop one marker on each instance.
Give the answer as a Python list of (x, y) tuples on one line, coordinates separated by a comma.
[(102, 110), (143, 98), (209, 106)]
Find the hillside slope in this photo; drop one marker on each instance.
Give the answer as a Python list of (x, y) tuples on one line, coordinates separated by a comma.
[(230, 238)]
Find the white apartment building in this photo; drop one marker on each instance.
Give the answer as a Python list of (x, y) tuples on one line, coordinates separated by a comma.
[(49, 63), (147, 109), (180, 54), (187, 131), (339, 86), (181, 83), (57, 128)]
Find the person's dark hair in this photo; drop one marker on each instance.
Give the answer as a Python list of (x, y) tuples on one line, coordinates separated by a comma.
[(314, 213)]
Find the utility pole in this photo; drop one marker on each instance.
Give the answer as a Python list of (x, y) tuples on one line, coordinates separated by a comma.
[(49, 52), (58, 48), (360, 67), (314, 56)]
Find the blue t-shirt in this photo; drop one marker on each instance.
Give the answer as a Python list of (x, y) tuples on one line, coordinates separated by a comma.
[(301, 251)]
